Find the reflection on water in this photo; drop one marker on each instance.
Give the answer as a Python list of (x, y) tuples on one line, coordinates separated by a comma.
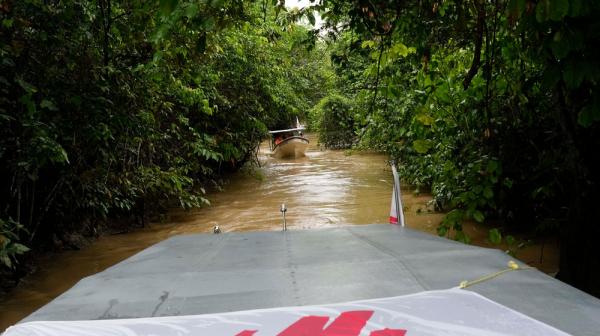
[(325, 188)]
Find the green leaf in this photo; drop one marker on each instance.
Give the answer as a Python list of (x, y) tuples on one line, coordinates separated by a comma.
[(209, 23), (478, 216), (590, 113), (206, 107), (422, 146), (20, 248), (424, 119), (462, 237), (63, 155), (191, 11), (488, 193), (492, 166), (157, 56), (371, 70), (48, 104), (7, 23), (495, 236), (28, 103), (6, 261), (401, 50), (26, 86), (368, 44)]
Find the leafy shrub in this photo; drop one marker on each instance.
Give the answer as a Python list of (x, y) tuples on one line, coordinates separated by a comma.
[(333, 117), (9, 246)]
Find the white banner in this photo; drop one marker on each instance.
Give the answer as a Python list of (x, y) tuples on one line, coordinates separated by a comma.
[(447, 312)]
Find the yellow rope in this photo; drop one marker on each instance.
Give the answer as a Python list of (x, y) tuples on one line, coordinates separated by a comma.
[(512, 266)]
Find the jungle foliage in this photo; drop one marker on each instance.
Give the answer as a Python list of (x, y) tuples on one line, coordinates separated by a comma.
[(111, 108), (493, 106), (333, 117)]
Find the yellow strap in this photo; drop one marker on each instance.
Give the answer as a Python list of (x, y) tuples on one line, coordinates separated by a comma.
[(512, 266)]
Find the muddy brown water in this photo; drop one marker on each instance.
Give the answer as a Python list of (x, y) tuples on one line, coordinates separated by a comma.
[(324, 189)]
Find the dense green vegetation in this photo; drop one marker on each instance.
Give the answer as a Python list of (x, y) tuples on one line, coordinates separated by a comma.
[(109, 109), (333, 117), (491, 105)]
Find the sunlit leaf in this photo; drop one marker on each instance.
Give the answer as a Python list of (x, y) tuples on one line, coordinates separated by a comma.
[(368, 44), (424, 119), (422, 146)]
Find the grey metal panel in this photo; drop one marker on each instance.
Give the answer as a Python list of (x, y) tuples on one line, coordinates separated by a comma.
[(206, 273)]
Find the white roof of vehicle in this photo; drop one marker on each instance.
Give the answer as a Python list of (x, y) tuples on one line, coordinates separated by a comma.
[(214, 273), (287, 130)]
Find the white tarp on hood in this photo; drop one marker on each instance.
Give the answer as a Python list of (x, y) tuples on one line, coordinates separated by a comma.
[(444, 312)]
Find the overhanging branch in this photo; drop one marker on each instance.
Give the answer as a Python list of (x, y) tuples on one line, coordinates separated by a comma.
[(480, 6)]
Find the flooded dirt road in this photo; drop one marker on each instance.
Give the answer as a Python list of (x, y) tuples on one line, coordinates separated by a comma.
[(326, 188)]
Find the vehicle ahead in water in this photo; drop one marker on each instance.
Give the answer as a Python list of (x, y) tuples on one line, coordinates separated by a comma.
[(288, 143)]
